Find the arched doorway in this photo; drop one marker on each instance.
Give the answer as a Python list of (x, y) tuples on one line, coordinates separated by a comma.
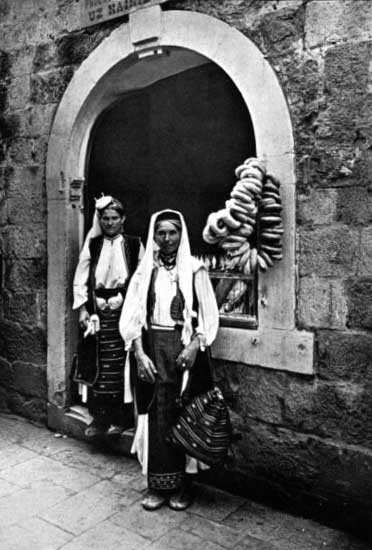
[(171, 144), (122, 64)]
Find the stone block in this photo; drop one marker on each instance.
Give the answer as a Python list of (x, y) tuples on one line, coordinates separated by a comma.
[(317, 207), (5, 64), (36, 120), (354, 205), (9, 126), (20, 307), (20, 343), (19, 91), (49, 87), (25, 180), (25, 242), (27, 150), (328, 252), (328, 22), (339, 411), (327, 165), (33, 408), (359, 301), (26, 186), (22, 274), (300, 76), (321, 303), (45, 57), (345, 356), (21, 60), (304, 464), (72, 49), (6, 174), (3, 97), (30, 379), (4, 398), (252, 392), (34, 213), (280, 32), (264, 394), (346, 80), (7, 374), (365, 256)]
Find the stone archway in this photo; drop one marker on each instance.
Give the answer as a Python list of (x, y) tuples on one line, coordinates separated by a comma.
[(91, 90)]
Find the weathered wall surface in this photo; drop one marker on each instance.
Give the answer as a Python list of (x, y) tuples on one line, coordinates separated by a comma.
[(302, 436), (311, 436)]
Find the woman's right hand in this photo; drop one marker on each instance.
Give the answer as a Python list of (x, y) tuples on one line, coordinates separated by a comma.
[(84, 318), (145, 368)]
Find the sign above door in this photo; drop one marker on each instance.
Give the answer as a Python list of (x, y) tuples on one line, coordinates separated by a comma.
[(93, 12)]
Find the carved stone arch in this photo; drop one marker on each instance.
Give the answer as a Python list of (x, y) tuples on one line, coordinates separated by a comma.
[(276, 343)]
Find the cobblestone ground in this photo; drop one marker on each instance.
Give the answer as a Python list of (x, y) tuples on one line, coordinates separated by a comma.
[(60, 493)]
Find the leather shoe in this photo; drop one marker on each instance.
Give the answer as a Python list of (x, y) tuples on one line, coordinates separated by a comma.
[(114, 429), (180, 500), (93, 430), (153, 501)]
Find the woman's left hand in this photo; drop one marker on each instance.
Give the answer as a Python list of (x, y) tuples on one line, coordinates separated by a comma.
[(187, 357)]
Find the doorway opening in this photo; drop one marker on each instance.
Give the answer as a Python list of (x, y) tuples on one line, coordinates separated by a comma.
[(172, 144)]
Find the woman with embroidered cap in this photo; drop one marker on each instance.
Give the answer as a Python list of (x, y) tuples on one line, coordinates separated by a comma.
[(106, 263), (169, 316)]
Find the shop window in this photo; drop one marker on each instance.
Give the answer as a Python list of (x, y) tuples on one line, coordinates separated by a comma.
[(236, 295)]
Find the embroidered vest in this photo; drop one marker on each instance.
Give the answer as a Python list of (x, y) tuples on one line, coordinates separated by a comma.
[(131, 251), (177, 305)]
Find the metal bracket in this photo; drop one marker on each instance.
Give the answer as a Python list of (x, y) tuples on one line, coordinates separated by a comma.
[(76, 189)]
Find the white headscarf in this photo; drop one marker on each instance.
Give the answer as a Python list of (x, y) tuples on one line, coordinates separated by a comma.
[(96, 230), (134, 312)]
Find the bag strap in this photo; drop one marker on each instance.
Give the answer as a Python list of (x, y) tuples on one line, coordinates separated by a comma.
[(187, 374)]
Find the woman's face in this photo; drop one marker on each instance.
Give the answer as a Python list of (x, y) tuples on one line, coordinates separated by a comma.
[(111, 222), (167, 237)]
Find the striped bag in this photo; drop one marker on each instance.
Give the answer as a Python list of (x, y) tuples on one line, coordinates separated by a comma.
[(203, 429)]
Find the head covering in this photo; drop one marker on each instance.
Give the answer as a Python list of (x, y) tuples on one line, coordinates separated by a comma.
[(134, 312), (114, 204), (170, 217), (102, 203)]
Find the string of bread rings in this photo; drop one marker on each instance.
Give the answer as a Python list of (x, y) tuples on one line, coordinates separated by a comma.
[(254, 204)]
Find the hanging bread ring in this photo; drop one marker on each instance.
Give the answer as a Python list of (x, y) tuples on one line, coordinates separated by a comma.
[(217, 225), (208, 236), (229, 220)]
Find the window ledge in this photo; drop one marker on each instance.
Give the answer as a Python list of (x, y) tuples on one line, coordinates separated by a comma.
[(288, 350)]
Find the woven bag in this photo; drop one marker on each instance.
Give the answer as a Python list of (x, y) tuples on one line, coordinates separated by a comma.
[(203, 429)]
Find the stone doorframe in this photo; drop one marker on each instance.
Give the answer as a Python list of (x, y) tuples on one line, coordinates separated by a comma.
[(276, 343)]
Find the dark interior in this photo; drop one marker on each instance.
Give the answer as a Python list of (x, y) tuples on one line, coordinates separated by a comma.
[(174, 144)]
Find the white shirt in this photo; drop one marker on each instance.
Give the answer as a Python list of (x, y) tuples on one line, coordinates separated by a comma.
[(165, 291), (111, 271)]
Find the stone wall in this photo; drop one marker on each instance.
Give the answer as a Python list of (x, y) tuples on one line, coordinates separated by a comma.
[(306, 439), (311, 437)]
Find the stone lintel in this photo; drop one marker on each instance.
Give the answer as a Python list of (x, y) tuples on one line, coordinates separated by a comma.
[(288, 350)]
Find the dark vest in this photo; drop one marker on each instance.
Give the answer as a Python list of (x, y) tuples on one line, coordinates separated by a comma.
[(131, 250)]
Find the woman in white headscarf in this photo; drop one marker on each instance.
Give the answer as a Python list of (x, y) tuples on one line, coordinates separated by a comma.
[(106, 263), (169, 316)]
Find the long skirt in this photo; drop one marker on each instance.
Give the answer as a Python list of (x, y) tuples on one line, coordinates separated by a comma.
[(166, 466), (106, 395)]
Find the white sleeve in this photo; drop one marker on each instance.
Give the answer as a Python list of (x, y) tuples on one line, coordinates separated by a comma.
[(80, 285), (141, 252), (208, 316)]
